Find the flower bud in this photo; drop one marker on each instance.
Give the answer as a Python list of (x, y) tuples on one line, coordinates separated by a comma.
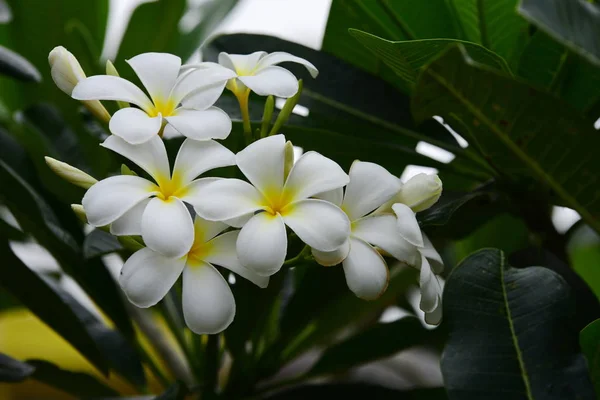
[(420, 192), (288, 158), (65, 69), (71, 174), (66, 73), (79, 212)]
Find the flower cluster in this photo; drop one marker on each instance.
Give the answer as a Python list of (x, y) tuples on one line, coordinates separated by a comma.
[(190, 225)]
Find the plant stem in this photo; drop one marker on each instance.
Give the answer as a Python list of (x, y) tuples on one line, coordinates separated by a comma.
[(302, 256), (243, 100)]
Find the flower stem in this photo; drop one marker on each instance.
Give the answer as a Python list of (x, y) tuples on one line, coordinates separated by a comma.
[(243, 100), (304, 255)]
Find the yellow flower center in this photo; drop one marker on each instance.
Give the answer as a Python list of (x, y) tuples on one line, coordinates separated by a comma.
[(199, 252), (172, 187), (277, 200), (165, 108)]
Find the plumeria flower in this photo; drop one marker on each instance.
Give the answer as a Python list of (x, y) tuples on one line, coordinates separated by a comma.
[(208, 304), (419, 193), (431, 289), (259, 72), (365, 269), (134, 205), (181, 101), (277, 199)]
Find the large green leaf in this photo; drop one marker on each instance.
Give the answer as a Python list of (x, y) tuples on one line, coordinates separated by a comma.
[(392, 20), (493, 24), (510, 333), (42, 298), (523, 132), (379, 341), (407, 58), (589, 339), (575, 23), (552, 66), (16, 66)]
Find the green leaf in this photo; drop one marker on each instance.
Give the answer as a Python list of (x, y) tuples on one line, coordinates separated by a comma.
[(589, 339), (493, 24), (407, 58), (355, 391), (551, 66), (174, 392), (510, 123), (441, 212), (378, 341), (393, 20), (75, 383), (12, 370), (575, 23), (39, 296), (18, 67), (99, 243), (509, 333)]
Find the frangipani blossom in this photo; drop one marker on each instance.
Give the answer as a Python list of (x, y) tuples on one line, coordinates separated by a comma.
[(365, 269), (258, 72), (134, 205), (183, 101), (208, 304), (419, 193), (278, 200)]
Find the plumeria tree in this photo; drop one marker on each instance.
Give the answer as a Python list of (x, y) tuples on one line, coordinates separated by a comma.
[(239, 217)]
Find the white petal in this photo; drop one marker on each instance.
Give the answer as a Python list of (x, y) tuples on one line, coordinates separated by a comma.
[(331, 258), (335, 196), (130, 223), (147, 276), (170, 133), (213, 123), (238, 222), (430, 288), (382, 231), (225, 199), (280, 56), (196, 157), (112, 197), (408, 227), (312, 174), (318, 223), (195, 190), (151, 156), (134, 125), (262, 244), (158, 73), (167, 227), (205, 230), (223, 253), (208, 304), (370, 186), (262, 163), (241, 63), (366, 272), (202, 83), (104, 87), (434, 258), (274, 81)]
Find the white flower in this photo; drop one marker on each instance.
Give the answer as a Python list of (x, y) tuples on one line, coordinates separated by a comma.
[(134, 205), (259, 73), (70, 173), (66, 73), (428, 262), (208, 304), (365, 269), (280, 201), (183, 101)]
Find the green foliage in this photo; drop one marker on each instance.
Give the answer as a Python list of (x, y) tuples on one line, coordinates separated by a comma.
[(589, 338), (509, 333)]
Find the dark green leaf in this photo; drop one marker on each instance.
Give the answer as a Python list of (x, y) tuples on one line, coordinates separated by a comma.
[(174, 392), (379, 341), (99, 243), (407, 58), (12, 370), (75, 383), (575, 23), (589, 338), (52, 307), (510, 333), (18, 67), (512, 126), (357, 390), (493, 24)]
